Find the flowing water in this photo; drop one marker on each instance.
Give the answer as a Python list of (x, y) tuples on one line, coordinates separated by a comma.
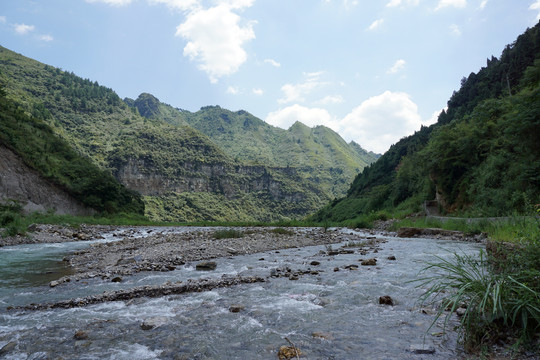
[(331, 315)]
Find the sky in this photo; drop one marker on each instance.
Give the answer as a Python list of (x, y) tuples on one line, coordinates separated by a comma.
[(372, 70)]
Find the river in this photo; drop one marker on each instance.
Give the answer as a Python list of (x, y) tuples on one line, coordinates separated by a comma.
[(328, 314)]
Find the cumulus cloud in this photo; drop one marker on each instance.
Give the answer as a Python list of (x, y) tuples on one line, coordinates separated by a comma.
[(232, 90), (272, 62), (216, 38), (451, 3), (536, 7), (258, 91), (3, 19), (484, 3), (112, 2), (398, 65), (284, 118), (298, 92), (23, 29), (381, 121), (376, 24)]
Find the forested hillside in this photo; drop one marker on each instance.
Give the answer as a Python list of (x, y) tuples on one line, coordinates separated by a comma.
[(183, 174), (34, 141), (482, 157), (319, 154)]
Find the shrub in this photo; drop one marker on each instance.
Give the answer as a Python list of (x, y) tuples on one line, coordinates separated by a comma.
[(228, 234), (500, 300)]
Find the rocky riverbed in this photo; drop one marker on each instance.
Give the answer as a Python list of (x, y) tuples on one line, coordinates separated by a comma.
[(165, 251)]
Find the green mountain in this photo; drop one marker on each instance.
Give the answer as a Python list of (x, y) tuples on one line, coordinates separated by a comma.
[(319, 154), (157, 150), (482, 157), (56, 161)]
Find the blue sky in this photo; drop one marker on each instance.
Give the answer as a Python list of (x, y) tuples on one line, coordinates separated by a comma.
[(374, 71)]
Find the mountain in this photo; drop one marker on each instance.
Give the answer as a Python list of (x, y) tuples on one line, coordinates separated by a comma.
[(319, 154), (481, 158), (156, 150), (42, 171)]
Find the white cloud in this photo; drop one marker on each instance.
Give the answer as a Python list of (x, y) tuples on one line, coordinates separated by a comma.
[(3, 19), (395, 3), (112, 2), (454, 30), (272, 62), (23, 29), (284, 118), (451, 3), (484, 3), (258, 91), (374, 25), (298, 92), (46, 38), (331, 99), (232, 90), (398, 65), (215, 38), (177, 4), (381, 121), (536, 6)]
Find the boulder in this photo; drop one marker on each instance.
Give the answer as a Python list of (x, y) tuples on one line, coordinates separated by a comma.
[(236, 308), (153, 322), (10, 346), (206, 265), (288, 352), (80, 335), (369, 262), (422, 349), (386, 300), (392, 257)]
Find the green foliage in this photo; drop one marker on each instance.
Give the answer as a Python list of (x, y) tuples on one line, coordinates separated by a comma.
[(228, 234), (482, 158), (51, 156), (499, 300)]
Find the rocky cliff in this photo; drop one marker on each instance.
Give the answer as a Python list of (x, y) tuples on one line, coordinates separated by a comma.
[(21, 183)]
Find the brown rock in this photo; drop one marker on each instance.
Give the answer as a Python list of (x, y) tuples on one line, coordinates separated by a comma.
[(386, 300), (288, 352), (80, 335), (236, 308), (369, 262)]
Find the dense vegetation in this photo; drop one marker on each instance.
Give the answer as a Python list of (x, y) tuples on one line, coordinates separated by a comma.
[(319, 154), (56, 160), (481, 158), (183, 174)]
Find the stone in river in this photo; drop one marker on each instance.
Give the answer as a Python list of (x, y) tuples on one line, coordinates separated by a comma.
[(80, 335), (116, 279), (314, 263), (206, 265), (386, 300), (392, 257), (10, 346), (236, 308), (288, 352), (422, 349), (153, 322), (369, 262), (54, 283)]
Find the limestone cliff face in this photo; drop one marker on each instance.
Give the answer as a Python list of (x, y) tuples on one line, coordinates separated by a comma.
[(20, 182), (220, 178)]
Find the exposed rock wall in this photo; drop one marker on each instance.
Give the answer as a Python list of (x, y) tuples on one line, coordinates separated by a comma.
[(24, 184), (229, 180)]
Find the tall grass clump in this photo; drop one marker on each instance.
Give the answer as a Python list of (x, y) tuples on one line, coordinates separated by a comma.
[(501, 295), (228, 234)]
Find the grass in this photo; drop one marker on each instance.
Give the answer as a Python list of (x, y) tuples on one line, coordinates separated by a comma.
[(281, 231), (514, 229), (228, 234), (501, 293)]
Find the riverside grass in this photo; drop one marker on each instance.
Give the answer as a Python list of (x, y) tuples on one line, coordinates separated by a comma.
[(500, 292)]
